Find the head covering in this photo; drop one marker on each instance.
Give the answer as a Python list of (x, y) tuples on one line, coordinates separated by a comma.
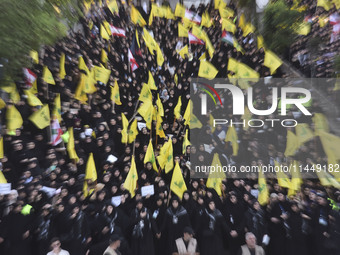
[(188, 230)]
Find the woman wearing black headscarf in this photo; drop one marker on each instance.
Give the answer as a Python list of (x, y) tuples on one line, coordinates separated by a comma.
[(234, 214), (213, 230), (142, 230), (176, 219), (158, 214)]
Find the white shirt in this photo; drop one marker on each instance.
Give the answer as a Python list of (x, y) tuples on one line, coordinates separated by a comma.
[(62, 252)]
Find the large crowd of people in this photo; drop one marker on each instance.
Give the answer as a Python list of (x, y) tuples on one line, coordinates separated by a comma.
[(48, 210)]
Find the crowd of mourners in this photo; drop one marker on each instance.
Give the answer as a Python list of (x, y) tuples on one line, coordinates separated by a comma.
[(47, 204)]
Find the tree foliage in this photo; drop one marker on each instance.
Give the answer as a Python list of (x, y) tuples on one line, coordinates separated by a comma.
[(27, 25), (278, 25)]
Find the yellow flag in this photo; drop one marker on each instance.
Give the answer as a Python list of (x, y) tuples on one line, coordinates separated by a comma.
[(260, 42), (186, 142), (182, 31), (190, 119), (87, 83), (198, 32), (242, 22), (330, 144), (34, 55), (337, 4), (145, 94), (177, 109), (41, 118), (194, 122), (282, 179), (151, 82), (13, 118), (56, 113), (62, 72), (160, 58), (113, 7), (2, 178), (1, 147), (325, 178), (103, 33), (169, 13), (177, 182), (215, 178), (180, 10), (245, 72), (209, 47), (232, 137), (219, 4), (80, 92), (159, 127), (90, 172), (150, 156), (320, 123), (82, 65), (101, 74), (131, 180), (165, 158), (292, 144), (206, 20), (149, 41), (133, 131), (246, 116), (125, 123), (32, 99), (327, 5), (72, 154), (211, 123), (233, 65), (146, 112), (271, 61), (159, 106), (47, 76), (207, 70), (303, 133), (187, 113), (247, 29), (263, 189), (296, 180), (136, 17), (184, 51), (303, 28), (228, 25), (104, 57), (115, 96), (226, 12), (11, 88)]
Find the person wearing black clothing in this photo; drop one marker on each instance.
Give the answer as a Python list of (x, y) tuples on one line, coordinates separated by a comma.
[(256, 221), (15, 232), (158, 214), (176, 219), (234, 215), (297, 241), (108, 221), (278, 226), (321, 225), (142, 230), (213, 231), (43, 230)]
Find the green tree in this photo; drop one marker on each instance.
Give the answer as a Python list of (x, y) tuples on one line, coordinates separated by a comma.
[(27, 25), (278, 26)]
